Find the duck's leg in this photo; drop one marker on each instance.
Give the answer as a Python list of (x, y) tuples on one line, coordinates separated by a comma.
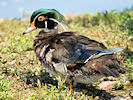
[(71, 85)]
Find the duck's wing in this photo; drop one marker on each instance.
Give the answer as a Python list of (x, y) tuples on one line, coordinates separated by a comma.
[(77, 48), (83, 54), (76, 52)]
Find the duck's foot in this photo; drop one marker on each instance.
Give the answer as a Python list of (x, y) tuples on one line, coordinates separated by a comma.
[(84, 91), (71, 86)]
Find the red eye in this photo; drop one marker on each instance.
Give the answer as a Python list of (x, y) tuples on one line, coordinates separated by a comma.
[(40, 18)]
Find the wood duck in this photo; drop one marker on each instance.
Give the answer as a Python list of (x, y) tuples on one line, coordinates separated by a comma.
[(72, 56)]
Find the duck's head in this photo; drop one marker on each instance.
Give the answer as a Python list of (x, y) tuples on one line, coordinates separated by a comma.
[(47, 19)]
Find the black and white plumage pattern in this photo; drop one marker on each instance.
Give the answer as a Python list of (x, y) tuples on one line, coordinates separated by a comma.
[(75, 57)]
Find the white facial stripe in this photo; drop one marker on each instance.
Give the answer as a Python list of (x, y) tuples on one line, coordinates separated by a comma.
[(61, 24), (46, 24)]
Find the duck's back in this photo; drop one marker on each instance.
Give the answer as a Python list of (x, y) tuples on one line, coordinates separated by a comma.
[(75, 56)]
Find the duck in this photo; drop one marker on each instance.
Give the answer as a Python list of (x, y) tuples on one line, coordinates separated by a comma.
[(73, 57)]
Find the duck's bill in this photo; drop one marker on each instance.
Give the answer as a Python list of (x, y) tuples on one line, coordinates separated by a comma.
[(29, 29)]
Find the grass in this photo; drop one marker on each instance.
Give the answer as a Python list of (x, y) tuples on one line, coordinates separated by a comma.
[(21, 77)]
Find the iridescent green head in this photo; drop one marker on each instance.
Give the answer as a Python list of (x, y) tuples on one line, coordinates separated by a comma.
[(44, 18)]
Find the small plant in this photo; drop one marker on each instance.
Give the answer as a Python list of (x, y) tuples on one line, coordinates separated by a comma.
[(4, 87), (61, 83), (131, 77), (118, 86)]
